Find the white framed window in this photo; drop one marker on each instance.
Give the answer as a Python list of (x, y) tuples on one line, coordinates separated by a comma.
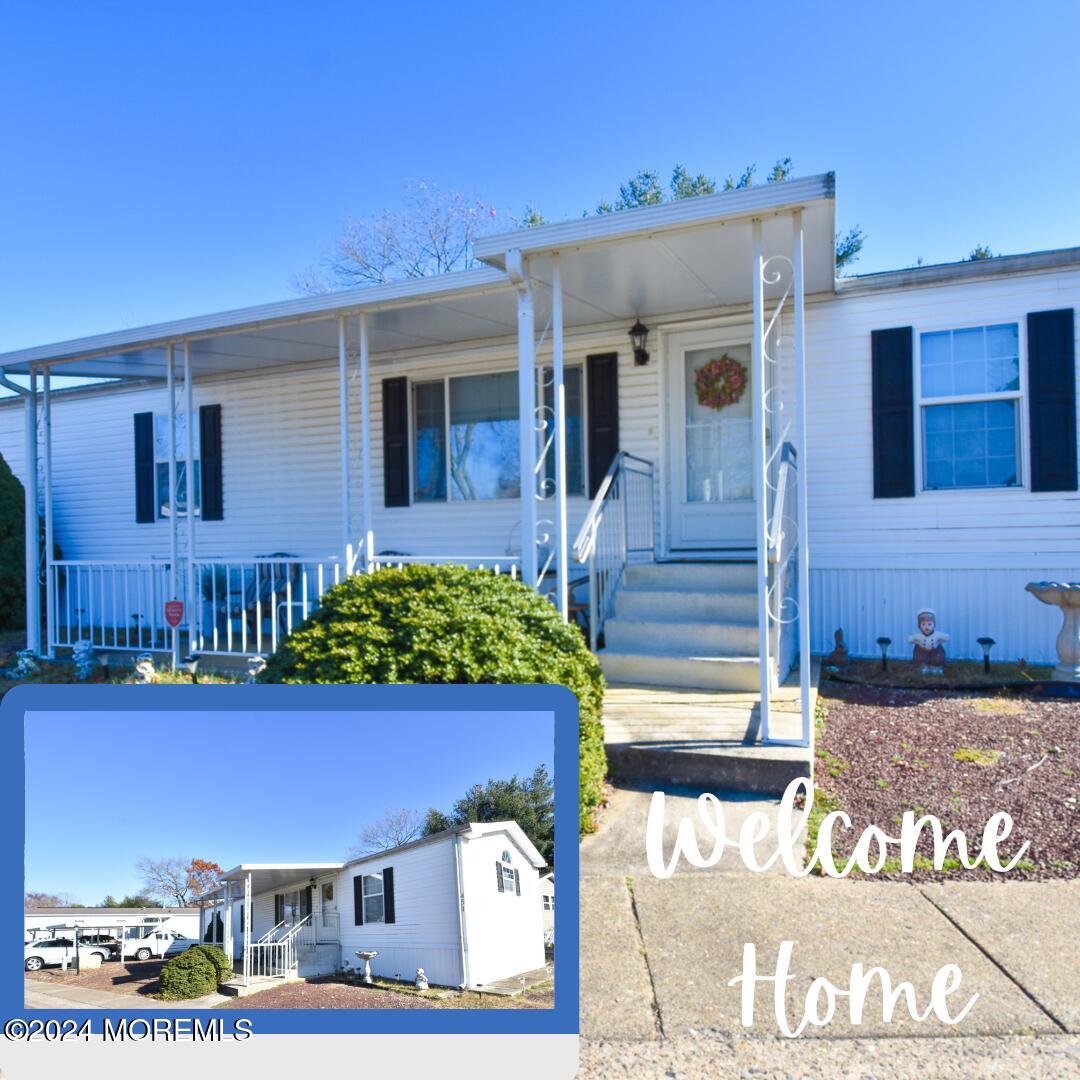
[(549, 902), (161, 465), (374, 909), (466, 435), (969, 384)]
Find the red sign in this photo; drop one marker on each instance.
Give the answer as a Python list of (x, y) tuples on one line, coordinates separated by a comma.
[(174, 612)]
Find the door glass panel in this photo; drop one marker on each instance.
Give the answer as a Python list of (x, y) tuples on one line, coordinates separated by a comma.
[(718, 439)]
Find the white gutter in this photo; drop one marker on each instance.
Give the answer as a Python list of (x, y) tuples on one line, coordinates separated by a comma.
[(463, 937)]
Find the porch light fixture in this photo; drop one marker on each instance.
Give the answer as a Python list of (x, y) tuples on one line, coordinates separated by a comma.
[(884, 643), (639, 335), (987, 644)]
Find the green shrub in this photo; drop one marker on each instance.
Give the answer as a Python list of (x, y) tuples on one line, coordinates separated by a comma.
[(189, 975), (447, 624), (216, 955), (12, 547)]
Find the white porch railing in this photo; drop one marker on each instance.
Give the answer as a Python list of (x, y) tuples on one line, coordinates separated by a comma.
[(249, 605), (497, 564), (617, 530), (118, 604), (275, 957), (327, 927)]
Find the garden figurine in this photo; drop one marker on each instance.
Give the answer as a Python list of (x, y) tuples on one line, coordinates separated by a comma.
[(929, 644), (25, 665), (144, 669), (838, 659), (256, 665), (421, 979), (83, 654)]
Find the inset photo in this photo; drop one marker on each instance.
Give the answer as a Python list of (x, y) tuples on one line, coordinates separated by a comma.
[(280, 859)]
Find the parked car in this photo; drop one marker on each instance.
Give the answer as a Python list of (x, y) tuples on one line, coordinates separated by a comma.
[(106, 940), (54, 951), (158, 943)]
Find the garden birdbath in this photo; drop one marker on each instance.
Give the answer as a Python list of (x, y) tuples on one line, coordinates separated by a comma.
[(367, 955), (1065, 595)]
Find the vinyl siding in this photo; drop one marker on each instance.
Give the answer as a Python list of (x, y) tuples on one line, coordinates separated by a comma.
[(505, 932)]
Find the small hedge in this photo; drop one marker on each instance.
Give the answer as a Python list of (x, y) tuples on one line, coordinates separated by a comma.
[(447, 624), (216, 955), (189, 975)]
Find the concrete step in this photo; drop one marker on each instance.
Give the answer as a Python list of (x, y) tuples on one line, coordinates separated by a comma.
[(691, 638), (680, 605), (677, 669), (691, 577)]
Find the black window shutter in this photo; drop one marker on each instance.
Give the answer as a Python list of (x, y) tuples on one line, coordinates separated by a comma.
[(213, 503), (279, 908), (893, 391), (388, 894), (517, 882), (144, 468), (499, 874), (602, 372), (395, 410), (1052, 399), (358, 899)]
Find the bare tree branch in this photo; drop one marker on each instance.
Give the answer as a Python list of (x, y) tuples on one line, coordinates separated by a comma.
[(394, 828)]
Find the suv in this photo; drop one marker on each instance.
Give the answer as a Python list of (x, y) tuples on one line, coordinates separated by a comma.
[(158, 943), (54, 951)]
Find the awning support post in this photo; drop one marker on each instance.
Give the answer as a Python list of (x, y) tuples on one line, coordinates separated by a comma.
[(343, 413), (50, 585), (365, 445), (33, 593), (562, 569), (761, 481), (802, 477), (247, 928), (174, 542), (189, 455), (517, 269), (226, 931)]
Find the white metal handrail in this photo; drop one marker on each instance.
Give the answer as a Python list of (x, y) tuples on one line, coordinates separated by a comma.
[(617, 529)]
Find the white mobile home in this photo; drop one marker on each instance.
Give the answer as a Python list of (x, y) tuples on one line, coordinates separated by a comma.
[(750, 452), (464, 905)]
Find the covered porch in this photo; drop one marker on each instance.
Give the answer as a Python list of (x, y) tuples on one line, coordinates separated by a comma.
[(278, 920), (731, 269)]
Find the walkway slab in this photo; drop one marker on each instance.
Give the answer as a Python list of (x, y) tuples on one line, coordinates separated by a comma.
[(616, 994), (1030, 928), (619, 846), (694, 928)]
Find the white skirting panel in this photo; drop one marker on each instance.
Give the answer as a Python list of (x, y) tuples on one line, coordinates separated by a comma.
[(872, 603)]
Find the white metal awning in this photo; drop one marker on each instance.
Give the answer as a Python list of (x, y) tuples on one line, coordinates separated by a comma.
[(652, 262), (267, 876)]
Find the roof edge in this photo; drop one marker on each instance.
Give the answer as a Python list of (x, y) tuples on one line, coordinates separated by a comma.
[(964, 270), (678, 214)]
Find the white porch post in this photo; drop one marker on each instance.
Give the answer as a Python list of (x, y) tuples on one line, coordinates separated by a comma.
[(174, 542), (761, 486), (227, 933), (343, 412), (248, 914), (365, 445), (189, 456), (50, 594), (559, 399), (802, 477), (33, 594), (517, 269)]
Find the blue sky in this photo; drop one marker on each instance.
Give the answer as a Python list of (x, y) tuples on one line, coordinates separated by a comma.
[(167, 160), (249, 787)]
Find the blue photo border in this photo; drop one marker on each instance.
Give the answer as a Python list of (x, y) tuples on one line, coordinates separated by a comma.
[(552, 701)]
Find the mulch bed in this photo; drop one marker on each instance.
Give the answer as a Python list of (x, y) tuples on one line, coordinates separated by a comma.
[(329, 993), (961, 756), (132, 977)]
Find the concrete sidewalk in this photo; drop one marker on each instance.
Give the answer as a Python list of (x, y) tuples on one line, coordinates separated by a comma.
[(656, 957), (39, 995)]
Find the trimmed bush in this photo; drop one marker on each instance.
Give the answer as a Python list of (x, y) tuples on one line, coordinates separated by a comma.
[(447, 624), (12, 547), (189, 975), (216, 955)]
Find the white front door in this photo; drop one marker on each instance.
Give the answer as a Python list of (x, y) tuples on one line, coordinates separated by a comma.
[(710, 441)]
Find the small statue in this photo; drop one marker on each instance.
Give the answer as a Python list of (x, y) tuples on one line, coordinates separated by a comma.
[(838, 659), (83, 654), (25, 665), (256, 666), (144, 670), (929, 651), (421, 979)]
